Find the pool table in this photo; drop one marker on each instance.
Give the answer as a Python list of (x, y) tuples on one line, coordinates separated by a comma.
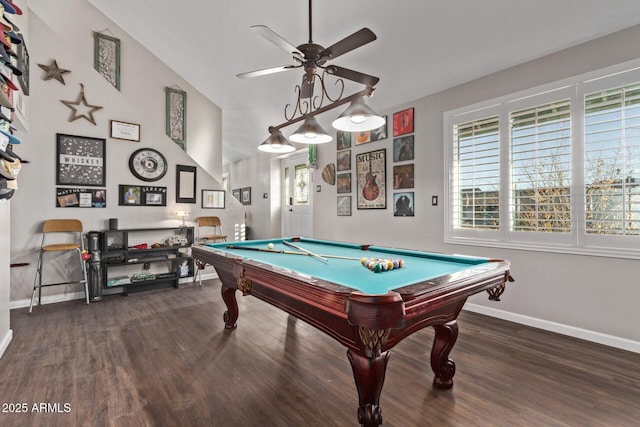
[(325, 284)]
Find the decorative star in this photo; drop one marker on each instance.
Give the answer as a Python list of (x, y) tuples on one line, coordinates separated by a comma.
[(54, 72), (81, 103)]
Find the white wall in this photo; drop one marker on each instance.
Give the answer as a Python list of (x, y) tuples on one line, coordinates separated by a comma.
[(66, 35), (6, 333), (584, 296)]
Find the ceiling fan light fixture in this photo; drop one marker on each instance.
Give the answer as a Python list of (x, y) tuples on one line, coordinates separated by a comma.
[(276, 143), (311, 133), (358, 117)]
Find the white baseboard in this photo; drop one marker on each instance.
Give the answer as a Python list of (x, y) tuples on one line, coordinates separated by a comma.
[(80, 295), (585, 334), (5, 341)]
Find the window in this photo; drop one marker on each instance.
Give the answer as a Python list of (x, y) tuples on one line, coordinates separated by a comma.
[(612, 161), (556, 168), (541, 168), (477, 159)]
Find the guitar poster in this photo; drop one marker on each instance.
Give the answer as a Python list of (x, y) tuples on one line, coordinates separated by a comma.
[(371, 179)]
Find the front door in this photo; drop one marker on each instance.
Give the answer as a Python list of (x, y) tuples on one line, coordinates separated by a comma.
[(297, 218)]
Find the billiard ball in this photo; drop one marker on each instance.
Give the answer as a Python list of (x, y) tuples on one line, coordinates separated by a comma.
[(270, 245)]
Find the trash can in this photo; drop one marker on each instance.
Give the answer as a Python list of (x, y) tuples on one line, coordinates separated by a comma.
[(94, 276)]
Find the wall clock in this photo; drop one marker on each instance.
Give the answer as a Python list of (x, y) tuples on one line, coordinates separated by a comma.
[(148, 164)]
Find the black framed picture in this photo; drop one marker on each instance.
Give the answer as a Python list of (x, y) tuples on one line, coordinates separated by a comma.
[(343, 140), (138, 195), (403, 122), (81, 198), (366, 136), (371, 170), (403, 148), (236, 194), (245, 195), (403, 176), (344, 205), (343, 182), (80, 160), (23, 64), (185, 184), (343, 160), (403, 204), (213, 199)]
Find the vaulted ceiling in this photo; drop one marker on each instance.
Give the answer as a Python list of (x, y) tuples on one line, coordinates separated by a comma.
[(422, 46)]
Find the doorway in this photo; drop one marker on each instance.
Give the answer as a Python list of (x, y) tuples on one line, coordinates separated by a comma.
[(297, 208)]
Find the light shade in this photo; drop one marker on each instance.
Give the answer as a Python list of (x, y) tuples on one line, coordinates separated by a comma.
[(276, 143), (311, 133), (358, 117)]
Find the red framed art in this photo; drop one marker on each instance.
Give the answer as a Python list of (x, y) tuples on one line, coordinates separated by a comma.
[(403, 122)]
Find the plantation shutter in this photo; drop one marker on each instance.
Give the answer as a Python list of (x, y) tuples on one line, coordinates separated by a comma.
[(477, 174), (612, 161), (541, 168)]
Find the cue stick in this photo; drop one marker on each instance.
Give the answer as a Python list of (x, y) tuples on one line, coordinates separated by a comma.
[(316, 256), (277, 251)]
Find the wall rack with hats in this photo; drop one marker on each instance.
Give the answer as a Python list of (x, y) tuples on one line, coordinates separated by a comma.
[(12, 62)]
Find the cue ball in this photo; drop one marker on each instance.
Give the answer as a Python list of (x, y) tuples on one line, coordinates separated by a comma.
[(270, 245)]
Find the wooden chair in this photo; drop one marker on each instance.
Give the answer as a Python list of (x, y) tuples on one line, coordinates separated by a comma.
[(73, 242), (208, 230)]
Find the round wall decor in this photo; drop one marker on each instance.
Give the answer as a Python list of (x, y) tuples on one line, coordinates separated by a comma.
[(148, 164)]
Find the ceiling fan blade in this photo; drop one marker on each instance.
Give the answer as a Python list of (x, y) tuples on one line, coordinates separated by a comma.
[(347, 44), (352, 75), (266, 71), (274, 38)]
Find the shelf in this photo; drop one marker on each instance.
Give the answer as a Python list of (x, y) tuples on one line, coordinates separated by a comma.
[(124, 254)]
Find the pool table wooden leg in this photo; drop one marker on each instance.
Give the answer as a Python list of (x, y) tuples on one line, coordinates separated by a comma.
[(369, 376), (443, 367), (231, 315)]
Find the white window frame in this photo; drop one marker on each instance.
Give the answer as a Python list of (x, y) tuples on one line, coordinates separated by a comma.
[(577, 241)]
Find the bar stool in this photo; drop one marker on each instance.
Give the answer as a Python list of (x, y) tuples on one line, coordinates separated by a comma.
[(73, 229), (209, 229)]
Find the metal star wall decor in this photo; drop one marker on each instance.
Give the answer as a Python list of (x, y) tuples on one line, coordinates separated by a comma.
[(54, 72), (80, 103)]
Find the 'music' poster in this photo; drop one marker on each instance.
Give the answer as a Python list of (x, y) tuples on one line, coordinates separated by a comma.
[(371, 177)]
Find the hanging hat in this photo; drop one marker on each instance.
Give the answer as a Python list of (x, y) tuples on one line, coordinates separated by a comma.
[(3, 20), (6, 79), (4, 146), (11, 7)]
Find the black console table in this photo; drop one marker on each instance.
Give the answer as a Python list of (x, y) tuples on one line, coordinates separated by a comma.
[(141, 259)]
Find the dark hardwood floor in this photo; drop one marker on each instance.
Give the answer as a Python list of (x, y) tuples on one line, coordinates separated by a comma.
[(163, 358)]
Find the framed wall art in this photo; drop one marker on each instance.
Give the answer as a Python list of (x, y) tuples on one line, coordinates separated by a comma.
[(213, 199), (344, 205), (124, 130), (245, 196), (343, 140), (81, 198), (403, 204), (106, 58), (23, 64), (366, 136), (80, 160), (403, 149), (236, 194), (343, 182), (185, 184), (371, 170), (343, 160), (176, 116), (403, 176), (403, 122), (137, 195)]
